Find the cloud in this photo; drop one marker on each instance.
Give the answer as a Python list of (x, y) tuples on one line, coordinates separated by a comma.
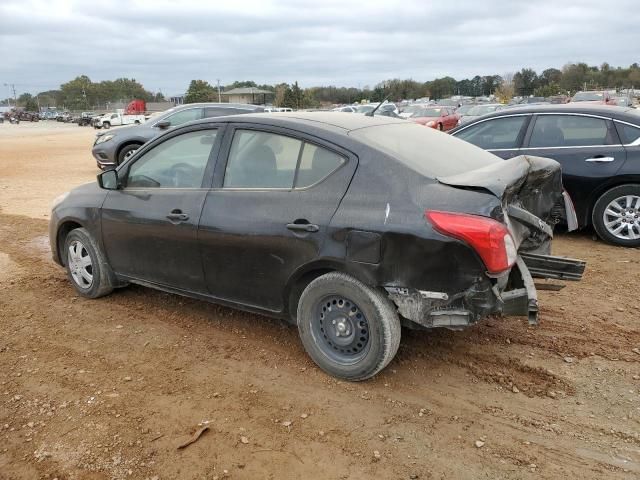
[(165, 44)]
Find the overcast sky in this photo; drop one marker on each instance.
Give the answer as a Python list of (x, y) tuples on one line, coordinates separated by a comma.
[(164, 44)]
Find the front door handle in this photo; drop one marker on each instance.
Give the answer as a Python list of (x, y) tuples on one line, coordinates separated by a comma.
[(177, 216), (303, 227), (600, 159)]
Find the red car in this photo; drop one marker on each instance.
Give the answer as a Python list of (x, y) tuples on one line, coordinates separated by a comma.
[(442, 118)]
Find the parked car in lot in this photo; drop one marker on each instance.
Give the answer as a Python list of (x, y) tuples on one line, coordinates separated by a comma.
[(595, 97), (112, 148), (478, 111), (386, 109), (440, 118), (344, 225), (598, 148), (86, 118)]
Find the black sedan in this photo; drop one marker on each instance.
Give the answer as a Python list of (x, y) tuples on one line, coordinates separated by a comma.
[(345, 225), (598, 148)]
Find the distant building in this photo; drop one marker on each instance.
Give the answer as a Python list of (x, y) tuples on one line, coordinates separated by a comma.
[(178, 99), (251, 95)]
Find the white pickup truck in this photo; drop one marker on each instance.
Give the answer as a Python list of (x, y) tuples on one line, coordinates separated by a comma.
[(109, 120)]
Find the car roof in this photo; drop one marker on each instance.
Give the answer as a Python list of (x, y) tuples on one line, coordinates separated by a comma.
[(622, 113), (333, 121), (245, 106)]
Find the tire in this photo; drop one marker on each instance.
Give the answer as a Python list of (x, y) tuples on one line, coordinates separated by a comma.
[(359, 310), (106, 125), (137, 122), (127, 151), (440, 127), (618, 209), (85, 246)]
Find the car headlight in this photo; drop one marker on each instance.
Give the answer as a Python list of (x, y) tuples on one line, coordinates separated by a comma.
[(58, 200), (430, 123), (103, 138)]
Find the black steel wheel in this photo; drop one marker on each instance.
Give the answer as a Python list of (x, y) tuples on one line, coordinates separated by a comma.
[(349, 329)]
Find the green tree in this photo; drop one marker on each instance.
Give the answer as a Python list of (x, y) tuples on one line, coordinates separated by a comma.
[(200, 91), (525, 81)]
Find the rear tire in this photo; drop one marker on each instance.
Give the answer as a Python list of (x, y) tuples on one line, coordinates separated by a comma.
[(349, 329), (616, 216), (87, 267), (440, 127), (106, 125)]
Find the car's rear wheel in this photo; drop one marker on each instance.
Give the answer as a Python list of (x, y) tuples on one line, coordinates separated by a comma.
[(616, 216), (87, 267), (127, 152), (349, 329)]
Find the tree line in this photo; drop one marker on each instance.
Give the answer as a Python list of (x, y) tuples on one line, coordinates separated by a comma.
[(81, 93)]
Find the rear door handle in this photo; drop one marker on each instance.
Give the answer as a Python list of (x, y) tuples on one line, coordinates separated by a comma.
[(600, 159), (303, 227), (178, 216)]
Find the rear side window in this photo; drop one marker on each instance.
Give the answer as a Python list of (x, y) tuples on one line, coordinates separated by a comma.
[(628, 134), (261, 160), (570, 131), (498, 133), (316, 163)]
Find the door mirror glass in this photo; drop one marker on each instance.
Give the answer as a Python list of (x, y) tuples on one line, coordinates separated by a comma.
[(108, 180)]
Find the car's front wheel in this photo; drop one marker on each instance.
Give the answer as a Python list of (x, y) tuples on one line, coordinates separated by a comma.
[(616, 216), (87, 267), (349, 329), (127, 152)]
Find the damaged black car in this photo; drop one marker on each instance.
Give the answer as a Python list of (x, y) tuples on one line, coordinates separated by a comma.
[(346, 226)]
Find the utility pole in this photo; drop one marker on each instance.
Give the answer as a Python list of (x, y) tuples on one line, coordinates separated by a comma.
[(13, 87), (219, 99)]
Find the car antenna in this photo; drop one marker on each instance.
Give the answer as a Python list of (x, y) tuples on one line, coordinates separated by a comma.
[(370, 114)]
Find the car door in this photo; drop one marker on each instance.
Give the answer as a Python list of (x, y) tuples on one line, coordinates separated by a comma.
[(269, 210), (149, 225), (587, 147), (501, 136)]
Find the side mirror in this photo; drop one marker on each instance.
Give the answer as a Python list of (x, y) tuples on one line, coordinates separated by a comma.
[(108, 180), (164, 124)]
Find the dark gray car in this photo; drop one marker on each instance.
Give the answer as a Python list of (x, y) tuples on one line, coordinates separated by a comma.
[(112, 147)]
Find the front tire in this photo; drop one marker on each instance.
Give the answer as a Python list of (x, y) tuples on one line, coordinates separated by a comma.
[(616, 216), (127, 152), (106, 125), (87, 267), (349, 329)]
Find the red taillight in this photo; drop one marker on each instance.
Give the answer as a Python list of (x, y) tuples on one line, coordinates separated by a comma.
[(488, 237)]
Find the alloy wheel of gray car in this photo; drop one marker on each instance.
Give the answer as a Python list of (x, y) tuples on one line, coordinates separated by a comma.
[(127, 152), (622, 217), (616, 216)]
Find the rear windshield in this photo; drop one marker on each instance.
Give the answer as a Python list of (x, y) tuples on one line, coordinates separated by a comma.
[(425, 150)]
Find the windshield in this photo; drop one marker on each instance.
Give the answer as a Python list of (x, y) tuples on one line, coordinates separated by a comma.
[(482, 109), (365, 108), (418, 112), (587, 97), (425, 150)]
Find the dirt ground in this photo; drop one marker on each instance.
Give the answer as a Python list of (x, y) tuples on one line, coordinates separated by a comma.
[(108, 388)]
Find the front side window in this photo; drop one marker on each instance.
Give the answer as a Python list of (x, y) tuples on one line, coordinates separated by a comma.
[(184, 116), (179, 162), (261, 160), (569, 131), (498, 133)]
